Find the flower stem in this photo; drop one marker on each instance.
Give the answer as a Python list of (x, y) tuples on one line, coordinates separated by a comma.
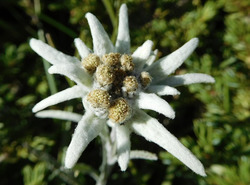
[(50, 78), (113, 18), (110, 11), (108, 158), (58, 25)]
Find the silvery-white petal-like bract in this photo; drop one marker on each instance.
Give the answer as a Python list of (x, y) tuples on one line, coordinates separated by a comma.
[(123, 145), (115, 85)]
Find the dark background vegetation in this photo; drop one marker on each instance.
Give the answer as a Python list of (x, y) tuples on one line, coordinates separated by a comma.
[(211, 120)]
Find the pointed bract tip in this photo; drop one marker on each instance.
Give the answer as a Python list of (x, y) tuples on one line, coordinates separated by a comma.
[(123, 168), (149, 43), (89, 15), (123, 6), (33, 42), (208, 79), (202, 172), (34, 109), (195, 40), (212, 80), (123, 164), (76, 40), (199, 169), (172, 115), (193, 43)]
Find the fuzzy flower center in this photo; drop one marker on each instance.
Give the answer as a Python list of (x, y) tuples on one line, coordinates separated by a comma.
[(115, 86)]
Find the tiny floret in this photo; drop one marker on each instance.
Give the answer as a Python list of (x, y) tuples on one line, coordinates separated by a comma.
[(91, 62), (145, 79), (99, 98), (119, 111), (105, 75), (111, 59), (127, 63), (130, 83)]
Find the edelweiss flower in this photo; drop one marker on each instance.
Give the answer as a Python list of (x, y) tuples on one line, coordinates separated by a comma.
[(115, 86)]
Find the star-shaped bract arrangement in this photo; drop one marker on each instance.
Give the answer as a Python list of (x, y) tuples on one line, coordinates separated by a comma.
[(115, 86)]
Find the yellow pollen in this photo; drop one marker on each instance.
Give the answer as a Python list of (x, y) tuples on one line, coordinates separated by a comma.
[(111, 59), (119, 111), (105, 75), (145, 79), (127, 63), (91, 62), (130, 83), (99, 98)]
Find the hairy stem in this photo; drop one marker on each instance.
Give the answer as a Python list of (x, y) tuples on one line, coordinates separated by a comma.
[(108, 158)]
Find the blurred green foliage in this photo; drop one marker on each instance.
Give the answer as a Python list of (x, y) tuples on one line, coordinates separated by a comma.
[(213, 121)]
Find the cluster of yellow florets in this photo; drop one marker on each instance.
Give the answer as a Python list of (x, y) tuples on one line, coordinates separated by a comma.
[(115, 83)]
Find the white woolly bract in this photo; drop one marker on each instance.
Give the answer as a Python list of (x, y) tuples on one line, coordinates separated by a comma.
[(142, 154), (167, 65), (87, 129), (50, 54), (151, 58), (155, 103), (187, 79), (74, 72), (162, 90), (141, 54), (123, 145), (82, 49), (65, 95), (101, 41), (58, 114), (123, 39), (153, 131)]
